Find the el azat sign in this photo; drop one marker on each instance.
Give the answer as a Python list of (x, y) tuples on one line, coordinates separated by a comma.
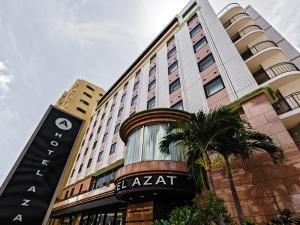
[(155, 181), (28, 191)]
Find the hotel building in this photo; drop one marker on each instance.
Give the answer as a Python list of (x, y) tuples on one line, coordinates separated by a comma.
[(200, 60), (80, 100)]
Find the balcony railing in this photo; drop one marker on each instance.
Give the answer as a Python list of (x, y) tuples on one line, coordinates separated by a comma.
[(227, 8), (245, 31), (257, 48), (287, 103), (235, 18), (264, 75)]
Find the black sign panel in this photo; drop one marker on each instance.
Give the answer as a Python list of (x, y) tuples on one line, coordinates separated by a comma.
[(28, 191), (155, 182)]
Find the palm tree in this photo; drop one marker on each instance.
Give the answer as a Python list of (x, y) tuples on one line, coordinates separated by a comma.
[(196, 136), (243, 143)]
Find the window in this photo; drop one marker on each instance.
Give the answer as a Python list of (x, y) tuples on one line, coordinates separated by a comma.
[(196, 30), (80, 168), (80, 110), (95, 123), (91, 135), (90, 88), (133, 100), (104, 179), (102, 117), (104, 137), (153, 59), (113, 148), (137, 75), (174, 86), (87, 94), (213, 86), (98, 131), (123, 97), (72, 192), (120, 112), (200, 44), (86, 151), (115, 96), (83, 142), (171, 52), (151, 85), (172, 68), (78, 157), (206, 62), (84, 102), (66, 194), (172, 39), (100, 94), (117, 128), (189, 10), (112, 107), (106, 105), (125, 85), (108, 121), (151, 103), (100, 156), (95, 143), (191, 19), (152, 70), (178, 105), (72, 173), (89, 163), (136, 85), (80, 189)]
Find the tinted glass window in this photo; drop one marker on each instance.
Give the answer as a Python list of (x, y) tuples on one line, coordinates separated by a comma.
[(213, 87), (206, 62)]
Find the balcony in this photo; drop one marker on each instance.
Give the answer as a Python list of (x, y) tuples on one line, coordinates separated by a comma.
[(287, 103), (280, 73), (245, 31), (228, 10), (235, 18)]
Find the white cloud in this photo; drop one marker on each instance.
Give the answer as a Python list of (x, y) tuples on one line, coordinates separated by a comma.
[(2, 66), (5, 78)]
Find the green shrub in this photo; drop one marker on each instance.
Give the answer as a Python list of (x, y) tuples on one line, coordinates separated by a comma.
[(285, 217), (250, 222)]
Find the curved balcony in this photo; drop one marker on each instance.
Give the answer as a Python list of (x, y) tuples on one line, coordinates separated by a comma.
[(277, 74), (246, 35), (256, 54), (288, 109), (228, 11)]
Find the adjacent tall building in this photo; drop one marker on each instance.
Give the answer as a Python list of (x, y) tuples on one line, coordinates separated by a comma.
[(80, 100), (201, 60)]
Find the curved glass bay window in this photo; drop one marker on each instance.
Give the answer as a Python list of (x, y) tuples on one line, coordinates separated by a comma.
[(143, 145)]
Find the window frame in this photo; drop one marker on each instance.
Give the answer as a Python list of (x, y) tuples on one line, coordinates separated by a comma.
[(113, 146), (212, 81), (175, 63), (194, 46), (192, 34), (171, 51), (151, 85), (171, 90), (150, 101), (208, 56), (177, 103), (87, 94), (134, 100)]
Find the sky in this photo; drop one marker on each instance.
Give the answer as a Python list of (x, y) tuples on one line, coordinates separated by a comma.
[(46, 45)]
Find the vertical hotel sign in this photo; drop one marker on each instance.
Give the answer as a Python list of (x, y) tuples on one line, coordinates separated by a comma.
[(29, 190)]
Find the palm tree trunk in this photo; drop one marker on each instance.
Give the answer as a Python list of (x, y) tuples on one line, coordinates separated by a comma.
[(235, 196)]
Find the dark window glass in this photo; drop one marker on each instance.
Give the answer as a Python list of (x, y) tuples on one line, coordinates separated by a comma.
[(98, 131), (78, 157), (153, 59), (90, 88), (136, 85), (174, 86), (171, 52), (125, 85), (72, 192), (112, 107), (87, 94), (91, 136), (133, 100), (172, 68), (178, 105), (95, 144), (86, 150), (196, 30), (100, 156), (151, 103), (89, 163), (80, 168), (84, 102), (104, 179), (102, 116), (104, 137), (117, 128), (123, 97), (200, 44), (108, 121), (137, 74), (113, 148), (83, 142), (120, 112), (80, 189), (151, 85), (213, 86), (80, 110), (206, 62), (66, 194), (115, 96), (152, 70), (191, 19), (72, 173), (171, 41)]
